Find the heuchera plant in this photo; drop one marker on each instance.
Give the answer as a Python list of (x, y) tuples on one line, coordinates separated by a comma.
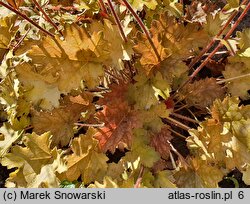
[(124, 93)]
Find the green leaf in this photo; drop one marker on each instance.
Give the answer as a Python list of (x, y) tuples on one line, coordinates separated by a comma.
[(140, 149), (244, 41), (236, 118), (138, 4), (163, 180), (198, 175), (147, 89), (213, 24), (233, 3), (238, 66)]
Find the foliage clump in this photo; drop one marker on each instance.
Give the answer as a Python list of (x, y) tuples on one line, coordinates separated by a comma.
[(94, 93)]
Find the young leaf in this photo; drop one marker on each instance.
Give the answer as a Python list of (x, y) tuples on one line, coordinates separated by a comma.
[(138, 4), (140, 149), (233, 3), (238, 66), (244, 37), (213, 25), (236, 118)]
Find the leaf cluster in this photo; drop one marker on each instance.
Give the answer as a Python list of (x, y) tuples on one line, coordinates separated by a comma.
[(97, 94)]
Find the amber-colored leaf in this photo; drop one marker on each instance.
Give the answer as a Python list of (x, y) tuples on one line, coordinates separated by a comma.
[(173, 41), (6, 34), (86, 160), (149, 57), (30, 161), (60, 121), (107, 183), (119, 119), (115, 47), (15, 3), (9, 137), (55, 64)]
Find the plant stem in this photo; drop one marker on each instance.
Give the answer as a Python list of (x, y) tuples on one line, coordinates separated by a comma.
[(172, 160), (217, 48), (138, 181), (178, 124), (102, 5), (117, 20), (196, 59), (205, 50), (184, 118), (181, 158), (26, 18), (182, 107), (46, 16), (21, 40), (89, 125), (233, 78), (178, 134), (143, 27)]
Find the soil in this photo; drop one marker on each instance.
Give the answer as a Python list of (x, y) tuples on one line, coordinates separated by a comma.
[(4, 174)]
